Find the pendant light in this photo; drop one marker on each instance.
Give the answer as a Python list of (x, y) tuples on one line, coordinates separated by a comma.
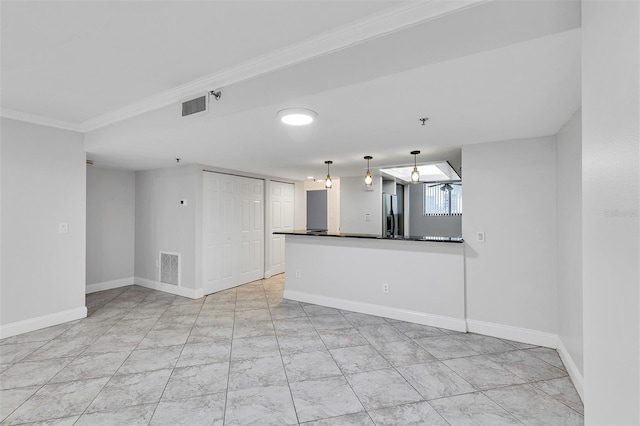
[(368, 179), (327, 183), (415, 175)]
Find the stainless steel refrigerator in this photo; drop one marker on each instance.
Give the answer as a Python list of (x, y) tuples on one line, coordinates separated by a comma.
[(392, 220)]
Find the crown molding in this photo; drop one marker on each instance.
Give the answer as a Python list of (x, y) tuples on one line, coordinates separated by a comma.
[(386, 22), (38, 119)]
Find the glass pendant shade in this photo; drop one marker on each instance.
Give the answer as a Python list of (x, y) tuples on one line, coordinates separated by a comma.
[(368, 179), (327, 183), (415, 175)]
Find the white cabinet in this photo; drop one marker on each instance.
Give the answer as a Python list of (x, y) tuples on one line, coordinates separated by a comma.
[(233, 231), (282, 212)]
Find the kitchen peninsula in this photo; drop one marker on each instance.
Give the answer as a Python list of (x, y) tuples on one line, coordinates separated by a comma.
[(416, 279)]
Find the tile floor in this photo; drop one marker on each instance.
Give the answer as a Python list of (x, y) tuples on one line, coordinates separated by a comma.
[(246, 356)]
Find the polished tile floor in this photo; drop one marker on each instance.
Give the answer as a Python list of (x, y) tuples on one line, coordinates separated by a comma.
[(246, 356)]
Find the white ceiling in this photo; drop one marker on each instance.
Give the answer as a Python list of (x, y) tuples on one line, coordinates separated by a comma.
[(487, 71)]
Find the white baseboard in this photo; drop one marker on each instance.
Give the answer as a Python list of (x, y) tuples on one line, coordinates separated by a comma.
[(168, 288), (44, 321), (108, 285), (450, 323), (517, 334), (572, 368)]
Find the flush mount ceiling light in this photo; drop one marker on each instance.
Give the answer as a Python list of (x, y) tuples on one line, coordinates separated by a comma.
[(297, 116), (415, 175), (368, 180), (327, 183)]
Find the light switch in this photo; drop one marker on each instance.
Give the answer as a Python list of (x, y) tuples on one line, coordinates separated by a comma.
[(367, 217), (480, 237), (63, 228)]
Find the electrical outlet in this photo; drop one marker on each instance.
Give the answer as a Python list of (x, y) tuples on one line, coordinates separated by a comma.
[(385, 288), (298, 273), (63, 228)]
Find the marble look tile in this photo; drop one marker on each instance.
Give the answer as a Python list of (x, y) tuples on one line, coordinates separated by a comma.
[(526, 366), (197, 380), (109, 313), (183, 309), (310, 365), (484, 344), (549, 356), (131, 389), (381, 333), (357, 359), (322, 398), (215, 318), (417, 331), (251, 296), (11, 353), (315, 310), (138, 415), (260, 406), (419, 413), (247, 305), (293, 325), (116, 343), (218, 307), (254, 315), (359, 320), (482, 373), (58, 400), (210, 333), (10, 399), (403, 353), (300, 342), (534, 407), (32, 373), (254, 347), (382, 388), (169, 321), (255, 372), (329, 322), (520, 345), (445, 347), (284, 312), (91, 366), (205, 353), (435, 380), (244, 328), (473, 409), (160, 338), (61, 348), (342, 338), (4, 367), (143, 313), (42, 335), (563, 390), (357, 419), (142, 360), (197, 411)]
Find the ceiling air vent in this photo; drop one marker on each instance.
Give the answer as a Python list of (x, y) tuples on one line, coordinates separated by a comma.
[(194, 106)]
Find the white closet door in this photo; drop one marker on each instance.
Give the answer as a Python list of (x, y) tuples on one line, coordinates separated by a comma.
[(282, 212), (233, 240)]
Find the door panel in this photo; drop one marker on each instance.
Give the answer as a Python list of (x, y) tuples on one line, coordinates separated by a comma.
[(233, 228), (281, 220)]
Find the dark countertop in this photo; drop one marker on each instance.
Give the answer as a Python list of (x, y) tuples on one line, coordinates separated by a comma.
[(373, 236)]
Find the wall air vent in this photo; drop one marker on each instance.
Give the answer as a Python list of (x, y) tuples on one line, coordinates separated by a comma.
[(170, 268), (194, 106)]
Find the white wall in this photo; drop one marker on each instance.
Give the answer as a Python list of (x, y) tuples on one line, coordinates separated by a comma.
[(510, 195), (43, 185), (610, 205), (355, 202), (110, 227), (349, 273), (162, 224), (436, 226), (569, 200)]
